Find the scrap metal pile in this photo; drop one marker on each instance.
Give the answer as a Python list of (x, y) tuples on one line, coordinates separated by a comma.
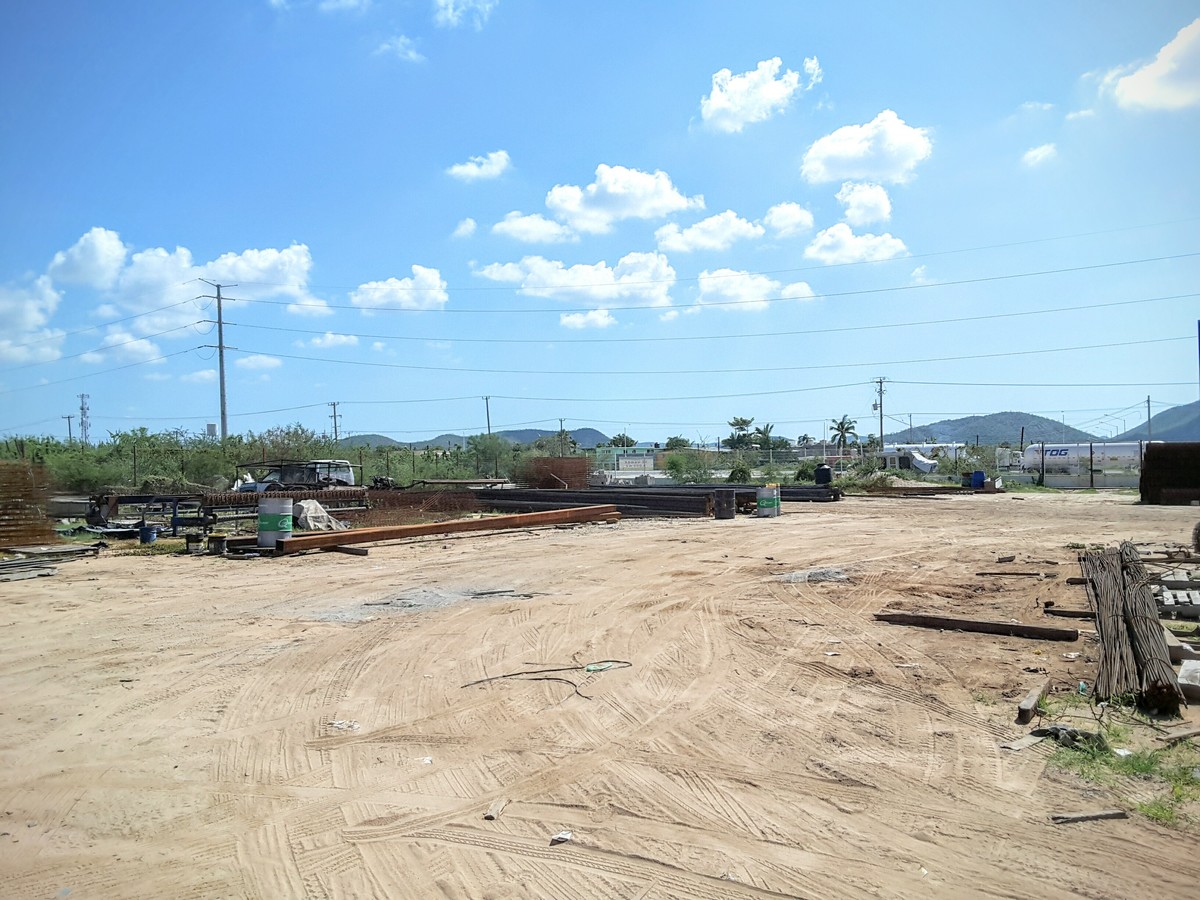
[(1134, 658)]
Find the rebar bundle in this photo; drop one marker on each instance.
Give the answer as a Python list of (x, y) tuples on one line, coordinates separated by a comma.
[(1117, 675), (1158, 683), (1134, 659)]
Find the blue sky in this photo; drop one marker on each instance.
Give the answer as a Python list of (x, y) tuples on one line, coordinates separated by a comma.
[(642, 217)]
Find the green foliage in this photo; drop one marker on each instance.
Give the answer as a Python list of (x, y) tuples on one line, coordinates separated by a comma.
[(842, 430), (739, 474), (689, 467), (622, 440), (806, 469), (678, 442)]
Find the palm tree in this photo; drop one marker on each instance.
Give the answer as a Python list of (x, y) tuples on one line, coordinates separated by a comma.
[(762, 436), (843, 430)]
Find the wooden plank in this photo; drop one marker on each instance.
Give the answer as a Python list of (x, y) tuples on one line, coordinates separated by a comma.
[(1179, 734), (349, 551), (1011, 629), (1069, 613), (1022, 743), (576, 515), (1028, 707), (495, 809), (1069, 818)]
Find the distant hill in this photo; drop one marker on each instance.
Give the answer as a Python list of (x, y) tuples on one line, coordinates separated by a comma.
[(1179, 423), (587, 438), (996, 428)]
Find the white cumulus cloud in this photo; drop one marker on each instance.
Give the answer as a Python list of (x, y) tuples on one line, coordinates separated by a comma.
[(258, 362), (884, 150), (788, 219), (617, 193), (424, 290), (402, 47), (465, 228), (593, 318), (865, 203), (717, 232), (1170, 82), (95, 260), (738, 100), (746, 291), (644, 278), (812, 68), (1035, 156), (453, 13), (534, 229), (26, 312), (839, 244), (121, 345), (481, 168), (203, 376), (332, 339)]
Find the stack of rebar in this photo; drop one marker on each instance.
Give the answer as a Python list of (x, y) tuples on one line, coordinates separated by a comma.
[(1117, 675), (1159, 684), (1134, 658)]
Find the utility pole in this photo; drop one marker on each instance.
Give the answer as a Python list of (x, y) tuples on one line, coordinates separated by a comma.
[(1149, 427), (487, 408), (84, 423), (69, 438), (562, 444), (220, 351), (335, 417), (879, 382)]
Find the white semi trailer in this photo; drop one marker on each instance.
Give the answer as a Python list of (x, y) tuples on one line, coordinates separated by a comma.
[(1079, 459)]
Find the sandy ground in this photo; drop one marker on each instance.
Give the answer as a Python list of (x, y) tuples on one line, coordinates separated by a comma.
[(195, 727)]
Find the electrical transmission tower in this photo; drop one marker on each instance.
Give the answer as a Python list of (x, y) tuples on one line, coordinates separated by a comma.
[(335, 418), (84, 422)]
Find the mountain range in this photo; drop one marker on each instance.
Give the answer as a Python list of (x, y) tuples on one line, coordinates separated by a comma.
[(587, 438)]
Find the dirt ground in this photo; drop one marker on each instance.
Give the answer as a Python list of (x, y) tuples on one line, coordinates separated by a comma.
[(315, 726)]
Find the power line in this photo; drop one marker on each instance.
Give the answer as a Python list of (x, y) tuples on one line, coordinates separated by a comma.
[(717, 303), (719, 337), (131, 365), (710, 370), (788, 271), (66, 334), (105, 347)]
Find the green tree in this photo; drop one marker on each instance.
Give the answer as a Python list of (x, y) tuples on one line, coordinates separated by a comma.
[(689, 467), (491, 453), (622, 440), (842, 430), (678, 442), (762, 436)]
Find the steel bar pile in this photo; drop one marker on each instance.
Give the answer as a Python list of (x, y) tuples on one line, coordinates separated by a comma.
[(790, 493), (1117, 675), (320, 540), (23, 495), (628, 501), (1134, 658), (1159, 684)]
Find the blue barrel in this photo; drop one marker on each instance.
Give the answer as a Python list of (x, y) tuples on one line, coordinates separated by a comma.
[(148, 534), (977, 480)]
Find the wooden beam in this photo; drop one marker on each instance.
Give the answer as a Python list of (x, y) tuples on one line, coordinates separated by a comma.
[(1179, 734), (580, 514), (349, 551), (1029, 706), (1069, 613), (1011, 629)]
